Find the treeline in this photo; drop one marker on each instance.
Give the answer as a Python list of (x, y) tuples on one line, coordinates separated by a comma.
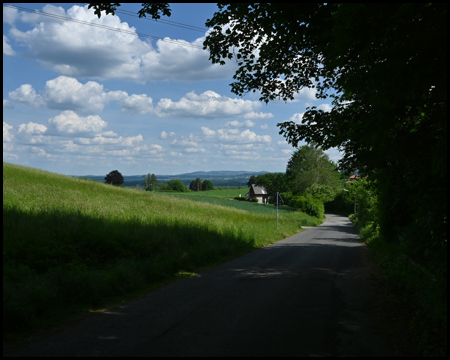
[(198, 185)]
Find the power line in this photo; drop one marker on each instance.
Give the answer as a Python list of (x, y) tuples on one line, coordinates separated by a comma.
[(105, 27), (167, 22), (162, 21)]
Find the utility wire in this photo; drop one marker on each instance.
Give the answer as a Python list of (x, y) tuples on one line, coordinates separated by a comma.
[(56, 16), (167, 22), (162, 21)]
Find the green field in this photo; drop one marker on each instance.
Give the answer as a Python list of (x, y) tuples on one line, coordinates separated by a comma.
[(72, 245), (224, 193)]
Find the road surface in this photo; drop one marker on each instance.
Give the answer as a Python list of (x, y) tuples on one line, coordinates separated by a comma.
[(307, 295)]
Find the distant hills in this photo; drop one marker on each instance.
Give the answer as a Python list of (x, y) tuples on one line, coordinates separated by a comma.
[(218, 178)]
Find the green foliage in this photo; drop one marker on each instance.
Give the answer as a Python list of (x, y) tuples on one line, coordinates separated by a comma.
[(341, 204), (324, 193), (240, 198), (196, 185), (150, 182), (272, 182), (251, 181), (310, 170), (207, 185), (308, 204), (114, 178), (177, 185), (255, 200)]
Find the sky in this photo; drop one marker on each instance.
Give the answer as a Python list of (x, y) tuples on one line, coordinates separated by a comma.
[(80, 98)]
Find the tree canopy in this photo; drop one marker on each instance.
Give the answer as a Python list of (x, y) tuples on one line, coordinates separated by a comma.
[(176, 185), (309, 169), (114, 178)]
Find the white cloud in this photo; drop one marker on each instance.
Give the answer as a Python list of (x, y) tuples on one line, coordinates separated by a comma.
[(325, 107), (246, 123), (7, 135), (32, 129), (9, 15), (141, 104), (7, 49), (246, 136), (69, 123), (207, 131), (208, 105), (264, 127), (26, 94), (79, 50), (67, 93), (297, 118), (259, 115), (7, 104), (163, 135)]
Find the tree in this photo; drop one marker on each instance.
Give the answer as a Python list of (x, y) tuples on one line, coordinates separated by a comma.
[(251, 181), (207, 185), (177, 185), (272, 182), (150, 182), (196, 185), (114, 178), (192, 186), (153, 9), (309, 168)]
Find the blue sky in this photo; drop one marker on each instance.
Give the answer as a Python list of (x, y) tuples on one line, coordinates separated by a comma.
[(84, 100)]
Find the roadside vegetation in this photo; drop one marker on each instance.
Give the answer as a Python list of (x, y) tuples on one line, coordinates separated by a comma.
[(416, 276), (72, 245)]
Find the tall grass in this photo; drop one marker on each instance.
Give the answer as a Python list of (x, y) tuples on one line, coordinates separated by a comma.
[(70, 243)]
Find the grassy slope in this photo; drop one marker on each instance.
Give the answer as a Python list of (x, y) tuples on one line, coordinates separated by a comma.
[(70, 243)]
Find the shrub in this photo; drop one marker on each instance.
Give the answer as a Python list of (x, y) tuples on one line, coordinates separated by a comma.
[(309, 205), (240, 198), (255, 200)]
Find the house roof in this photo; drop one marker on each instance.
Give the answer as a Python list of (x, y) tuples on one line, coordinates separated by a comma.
[(259, 190)]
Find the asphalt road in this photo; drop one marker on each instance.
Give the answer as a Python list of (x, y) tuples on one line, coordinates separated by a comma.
[(308, 295)]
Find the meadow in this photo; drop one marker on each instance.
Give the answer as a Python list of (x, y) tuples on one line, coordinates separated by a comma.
[(72, 245)]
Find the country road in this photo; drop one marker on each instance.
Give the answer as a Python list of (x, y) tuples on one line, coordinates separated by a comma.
[(307, 295)]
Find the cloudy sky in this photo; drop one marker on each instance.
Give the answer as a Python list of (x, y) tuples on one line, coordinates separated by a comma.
[(91, 96)]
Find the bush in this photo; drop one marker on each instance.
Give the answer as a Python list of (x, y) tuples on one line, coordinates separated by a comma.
[(255, 200), (309, 205), (240, 198)]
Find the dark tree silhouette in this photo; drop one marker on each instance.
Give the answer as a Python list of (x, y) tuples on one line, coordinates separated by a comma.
[(114, 178)]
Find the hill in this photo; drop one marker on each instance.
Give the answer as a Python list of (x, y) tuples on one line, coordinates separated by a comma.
[(72, 244)]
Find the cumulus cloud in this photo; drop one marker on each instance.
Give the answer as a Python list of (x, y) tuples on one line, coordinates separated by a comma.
[(32, 128), (69, 123), (245, 136), (67, 93), (7, 135), (246, 123), (26, 94), (141, 104), (207, 131), (7, 49), (79, 50), (208, 105), (297, 118), (259, 115), (264, 127)]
